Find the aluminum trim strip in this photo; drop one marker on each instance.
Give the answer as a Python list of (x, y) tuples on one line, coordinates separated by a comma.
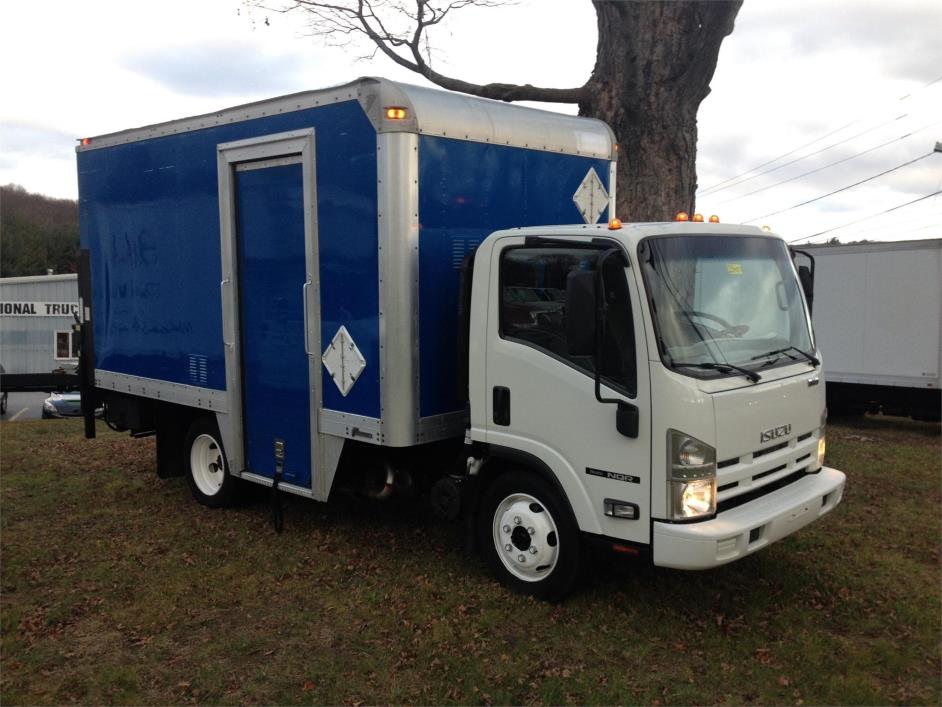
[(398, 243), (265, 164), (429, 112), (358, 427), (265, 481), (188, 395)]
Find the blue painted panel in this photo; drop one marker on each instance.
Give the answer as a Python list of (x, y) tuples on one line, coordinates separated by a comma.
[(467, 191), (272, 272), (150, 216)]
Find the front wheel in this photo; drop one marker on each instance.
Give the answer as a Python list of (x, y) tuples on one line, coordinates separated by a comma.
[(207, 471), (528, 536)]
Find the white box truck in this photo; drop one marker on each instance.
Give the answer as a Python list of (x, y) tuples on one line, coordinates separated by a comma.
[(335, 280), (878, 315)]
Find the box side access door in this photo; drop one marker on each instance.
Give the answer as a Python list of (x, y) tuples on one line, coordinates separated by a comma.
[(271, 313)]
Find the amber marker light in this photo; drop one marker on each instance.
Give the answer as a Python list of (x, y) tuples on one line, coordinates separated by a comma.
[(614, 224), (698, 218), (682, 216), (395, 113), (714, 219), (86, 141)]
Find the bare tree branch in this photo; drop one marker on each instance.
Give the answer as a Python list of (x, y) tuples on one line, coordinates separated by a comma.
[(400, 31)]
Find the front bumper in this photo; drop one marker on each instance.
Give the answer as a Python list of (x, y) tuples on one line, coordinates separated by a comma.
[(747, 528)]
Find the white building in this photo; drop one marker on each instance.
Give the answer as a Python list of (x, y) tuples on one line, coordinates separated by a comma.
[(36, 317)]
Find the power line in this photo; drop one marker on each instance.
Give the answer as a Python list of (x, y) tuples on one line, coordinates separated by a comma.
[(714, 187), (830, 164), (837, 191), (812, 154), (908, 222), (922, 228), (865, 218)]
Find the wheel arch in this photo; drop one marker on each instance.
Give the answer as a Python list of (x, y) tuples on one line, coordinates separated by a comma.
[(501, 458)]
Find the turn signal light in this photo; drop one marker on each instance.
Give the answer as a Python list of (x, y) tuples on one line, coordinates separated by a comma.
[(395, 113), (698, 218), (682, 216), (614, 224), (714, 219)]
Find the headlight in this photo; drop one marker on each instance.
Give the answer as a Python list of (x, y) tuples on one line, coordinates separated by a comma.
[(819, 461), (49, 406), (692, 479)]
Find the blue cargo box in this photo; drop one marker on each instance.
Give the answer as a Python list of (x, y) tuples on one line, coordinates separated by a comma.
[(293, 265)]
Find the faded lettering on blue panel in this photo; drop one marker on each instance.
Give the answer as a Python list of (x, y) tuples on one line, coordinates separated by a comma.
[(467, 191), (149, 213)]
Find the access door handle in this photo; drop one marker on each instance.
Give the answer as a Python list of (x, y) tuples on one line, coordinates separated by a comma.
[(307, 338)]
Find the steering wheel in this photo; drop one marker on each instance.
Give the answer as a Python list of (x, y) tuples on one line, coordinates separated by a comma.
[(728, 330)]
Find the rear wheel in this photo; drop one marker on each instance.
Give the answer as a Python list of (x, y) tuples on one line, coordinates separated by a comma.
[(529, 537), (207, 471)]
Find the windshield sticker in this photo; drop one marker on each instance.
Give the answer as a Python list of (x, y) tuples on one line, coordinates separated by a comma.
[(734, 268)]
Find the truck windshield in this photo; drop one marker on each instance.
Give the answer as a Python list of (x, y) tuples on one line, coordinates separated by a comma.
[(725, 300)]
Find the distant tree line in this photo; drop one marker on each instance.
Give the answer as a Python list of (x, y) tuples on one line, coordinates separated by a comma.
[(37, 233)]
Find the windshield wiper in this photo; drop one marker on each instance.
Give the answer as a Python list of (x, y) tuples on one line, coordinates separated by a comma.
[(725, 367), (813, 359)]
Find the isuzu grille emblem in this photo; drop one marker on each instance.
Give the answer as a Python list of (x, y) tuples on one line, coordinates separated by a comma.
[(774, 433)]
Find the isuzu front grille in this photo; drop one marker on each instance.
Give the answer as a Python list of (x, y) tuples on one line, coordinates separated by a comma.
[(740, 479)]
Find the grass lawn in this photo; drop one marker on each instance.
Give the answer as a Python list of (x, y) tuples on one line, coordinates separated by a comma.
[(118, 588)]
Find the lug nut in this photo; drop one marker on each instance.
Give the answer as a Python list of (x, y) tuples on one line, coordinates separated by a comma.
[(516, 520), (531, 530), (533, 549), (522, 558), (506, 528), (508, 547)]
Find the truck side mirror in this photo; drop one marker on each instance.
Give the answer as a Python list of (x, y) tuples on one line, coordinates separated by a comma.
[(806, 277), (805, 274), (581, 313)]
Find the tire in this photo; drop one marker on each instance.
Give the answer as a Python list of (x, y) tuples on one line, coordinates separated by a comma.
[(206, 466), (523, 512), (3, 404)]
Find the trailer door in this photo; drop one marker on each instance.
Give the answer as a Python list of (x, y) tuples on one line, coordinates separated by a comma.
[(271, 310)]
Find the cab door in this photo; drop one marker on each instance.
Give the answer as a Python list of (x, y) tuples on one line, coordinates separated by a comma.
[(541, 400)]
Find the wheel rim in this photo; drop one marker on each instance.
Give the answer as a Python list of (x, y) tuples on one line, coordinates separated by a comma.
[(206, 465), (525, 537)]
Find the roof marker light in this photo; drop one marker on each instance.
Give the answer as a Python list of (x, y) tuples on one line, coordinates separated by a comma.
[(682, 216), (614, 224), (86, 141), (395, 113), (698, 218), (714, 219)]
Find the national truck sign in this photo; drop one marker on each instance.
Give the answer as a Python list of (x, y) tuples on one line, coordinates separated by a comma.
[(38, 309)]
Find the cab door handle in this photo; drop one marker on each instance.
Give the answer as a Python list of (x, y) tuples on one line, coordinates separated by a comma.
[(501, 405)]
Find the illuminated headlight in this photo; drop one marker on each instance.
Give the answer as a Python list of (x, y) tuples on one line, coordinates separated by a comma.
[(692, 484), (819, 460)]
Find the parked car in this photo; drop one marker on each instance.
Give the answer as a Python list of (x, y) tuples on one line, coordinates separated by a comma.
[(62, 405)]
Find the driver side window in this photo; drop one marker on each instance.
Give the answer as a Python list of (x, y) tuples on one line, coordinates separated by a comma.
[(533, 308)]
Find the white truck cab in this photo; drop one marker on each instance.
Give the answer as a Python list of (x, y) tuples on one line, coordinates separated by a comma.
[(655, 387)]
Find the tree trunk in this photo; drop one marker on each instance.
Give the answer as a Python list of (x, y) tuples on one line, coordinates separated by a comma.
[(653, 68)]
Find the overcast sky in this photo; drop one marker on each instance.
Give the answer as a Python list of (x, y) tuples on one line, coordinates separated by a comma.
[(805, 83)]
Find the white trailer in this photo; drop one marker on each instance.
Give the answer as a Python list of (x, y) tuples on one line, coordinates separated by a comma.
[(877, 314)]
